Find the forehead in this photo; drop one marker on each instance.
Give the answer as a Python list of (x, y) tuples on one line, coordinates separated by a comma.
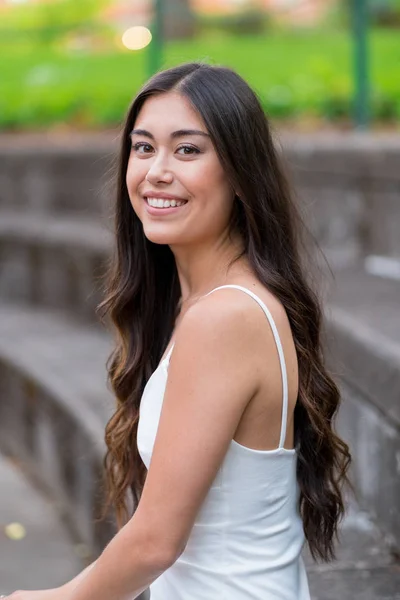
[(168, 111)]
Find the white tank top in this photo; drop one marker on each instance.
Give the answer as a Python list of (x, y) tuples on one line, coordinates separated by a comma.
[(247, 538)]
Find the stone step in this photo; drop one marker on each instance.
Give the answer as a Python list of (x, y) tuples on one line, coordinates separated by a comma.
[(54, 404), (365, 569), (68, 357), (362, 344), (347, 183), (57, 173), (54, 371), (365, 311), (373, 300), (47, 556), (53, 262)]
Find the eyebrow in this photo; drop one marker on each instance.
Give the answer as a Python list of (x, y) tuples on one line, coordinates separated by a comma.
[(174, 134)]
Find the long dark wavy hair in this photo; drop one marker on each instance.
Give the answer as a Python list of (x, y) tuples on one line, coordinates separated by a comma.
[(143, 294)]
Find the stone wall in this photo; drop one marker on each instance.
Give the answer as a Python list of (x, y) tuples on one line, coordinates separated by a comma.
[(349, 186), (367, 366)]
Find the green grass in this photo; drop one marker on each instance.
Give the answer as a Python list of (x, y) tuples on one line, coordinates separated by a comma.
[(294, 74)]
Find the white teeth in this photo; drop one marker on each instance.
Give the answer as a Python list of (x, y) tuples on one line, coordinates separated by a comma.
[(161, 203)]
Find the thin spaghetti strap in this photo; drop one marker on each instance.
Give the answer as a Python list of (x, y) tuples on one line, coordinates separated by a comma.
[(280, 352), (169, 353)]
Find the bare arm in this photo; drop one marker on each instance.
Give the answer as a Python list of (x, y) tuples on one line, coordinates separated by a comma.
[(183, 467), (62, 592), (71, 585)]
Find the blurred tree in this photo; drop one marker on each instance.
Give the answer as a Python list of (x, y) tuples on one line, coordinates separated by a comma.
[(385, 12), (381, 12), (179, 19)]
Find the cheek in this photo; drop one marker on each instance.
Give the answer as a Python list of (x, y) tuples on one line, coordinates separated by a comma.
[(210, 186), (133, 179), (218, 190), (205, 177)]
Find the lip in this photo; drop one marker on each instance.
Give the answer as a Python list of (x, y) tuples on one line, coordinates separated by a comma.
[(162, 195), (161, 212)]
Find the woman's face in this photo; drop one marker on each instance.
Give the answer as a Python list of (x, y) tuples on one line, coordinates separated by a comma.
[(173, 158)]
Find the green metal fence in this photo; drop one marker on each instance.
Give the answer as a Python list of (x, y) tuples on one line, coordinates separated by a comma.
[(359, 17), (361, 108)]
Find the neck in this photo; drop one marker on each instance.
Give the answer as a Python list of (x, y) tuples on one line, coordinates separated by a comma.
[(203, 269)]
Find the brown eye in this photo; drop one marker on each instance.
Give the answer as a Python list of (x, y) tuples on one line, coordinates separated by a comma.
[(140, 145), (191, 150)]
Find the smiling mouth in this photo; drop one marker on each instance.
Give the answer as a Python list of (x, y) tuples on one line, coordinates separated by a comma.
[(164, 203)]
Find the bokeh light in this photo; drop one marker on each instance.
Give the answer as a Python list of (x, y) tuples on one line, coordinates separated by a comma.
[(136, 38)]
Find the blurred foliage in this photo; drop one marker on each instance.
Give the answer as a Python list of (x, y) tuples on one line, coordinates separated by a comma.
[(47, 23), (297, 74)]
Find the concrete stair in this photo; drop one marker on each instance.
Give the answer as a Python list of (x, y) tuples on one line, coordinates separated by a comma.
[(55, 404), (47, 555), (365, 569), (53, 262), (55, 239)]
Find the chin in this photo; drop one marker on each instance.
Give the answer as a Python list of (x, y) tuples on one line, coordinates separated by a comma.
[(158, 237)]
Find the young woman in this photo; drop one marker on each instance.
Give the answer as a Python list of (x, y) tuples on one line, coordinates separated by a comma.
[(223, 430)]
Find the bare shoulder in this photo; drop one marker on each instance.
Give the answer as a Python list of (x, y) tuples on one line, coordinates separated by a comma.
[(234, 309), (230, 325), (215, 371), (227, 317)]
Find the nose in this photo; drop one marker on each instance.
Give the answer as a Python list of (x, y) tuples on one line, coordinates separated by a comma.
[(159, 171)]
